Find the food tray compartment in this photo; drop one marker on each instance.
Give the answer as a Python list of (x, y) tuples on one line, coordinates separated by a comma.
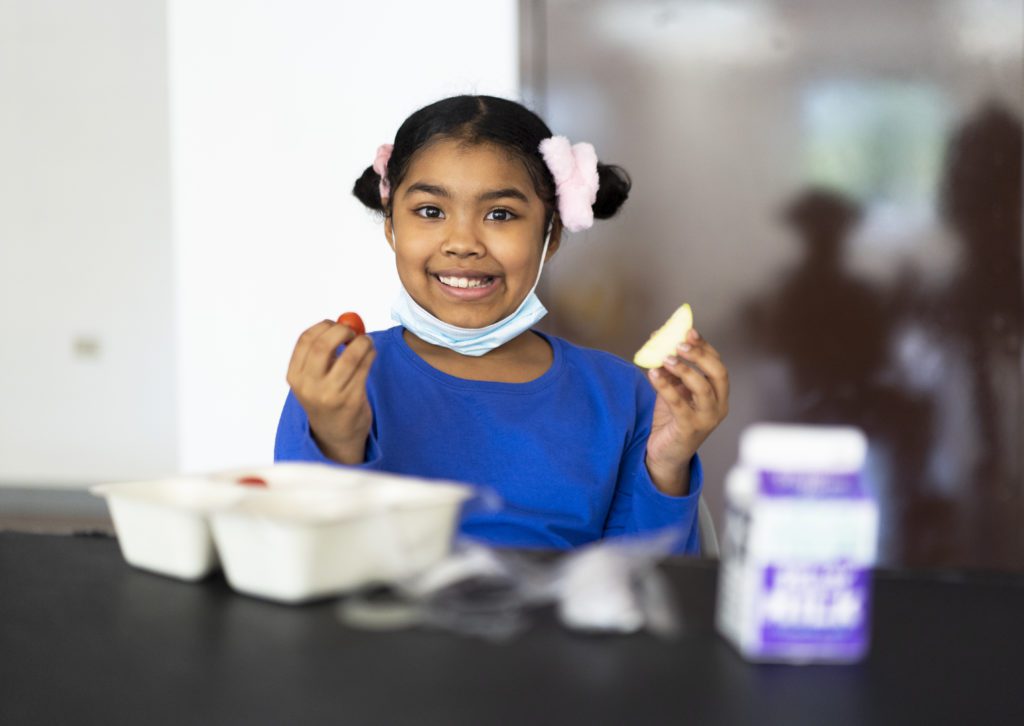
[(294, 546)]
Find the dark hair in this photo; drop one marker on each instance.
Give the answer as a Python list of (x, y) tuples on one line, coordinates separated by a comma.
[(486, 119)]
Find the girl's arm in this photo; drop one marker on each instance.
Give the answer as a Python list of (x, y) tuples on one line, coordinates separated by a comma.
[(639, 505)]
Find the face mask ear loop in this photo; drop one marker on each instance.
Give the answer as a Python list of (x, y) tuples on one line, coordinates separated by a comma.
[(543, 255)]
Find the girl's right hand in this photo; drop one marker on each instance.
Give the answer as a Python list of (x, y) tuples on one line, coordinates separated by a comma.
[(332, 389)]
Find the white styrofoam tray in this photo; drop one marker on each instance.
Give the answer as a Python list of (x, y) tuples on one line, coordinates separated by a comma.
[(162, 525), (298, 474), (298, 545)]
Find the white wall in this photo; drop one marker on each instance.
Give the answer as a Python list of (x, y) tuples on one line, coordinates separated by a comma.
[(85, 246), (175, 196)]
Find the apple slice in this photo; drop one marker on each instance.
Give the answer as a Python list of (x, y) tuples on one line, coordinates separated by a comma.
[(664, 340)]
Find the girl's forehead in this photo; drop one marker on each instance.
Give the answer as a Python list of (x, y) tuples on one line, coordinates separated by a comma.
[(460, 166)]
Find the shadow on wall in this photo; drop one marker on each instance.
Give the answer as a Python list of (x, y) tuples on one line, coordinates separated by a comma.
[(931, 375), (981, 315)]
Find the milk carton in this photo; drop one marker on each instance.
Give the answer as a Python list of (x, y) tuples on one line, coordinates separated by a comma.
[(800, 539)]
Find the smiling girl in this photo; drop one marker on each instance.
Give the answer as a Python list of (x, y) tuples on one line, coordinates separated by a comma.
[(475, 193)]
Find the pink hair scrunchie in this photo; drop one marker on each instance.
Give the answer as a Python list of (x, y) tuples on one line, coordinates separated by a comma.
[(380, 165), (574, 168)]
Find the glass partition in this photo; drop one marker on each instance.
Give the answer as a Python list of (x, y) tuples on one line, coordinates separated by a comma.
[(835, 187)]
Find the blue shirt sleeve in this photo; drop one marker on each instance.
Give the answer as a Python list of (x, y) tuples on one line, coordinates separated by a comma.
[(638, 504), (295, 440)]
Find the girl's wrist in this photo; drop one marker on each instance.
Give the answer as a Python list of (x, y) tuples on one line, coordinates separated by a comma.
[(350, 453), (672, 478)]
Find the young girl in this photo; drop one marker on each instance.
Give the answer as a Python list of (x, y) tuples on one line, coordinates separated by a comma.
[(580, 445)]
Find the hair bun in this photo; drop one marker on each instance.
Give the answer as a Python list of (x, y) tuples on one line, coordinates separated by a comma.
[(367, 190), (613, 189)]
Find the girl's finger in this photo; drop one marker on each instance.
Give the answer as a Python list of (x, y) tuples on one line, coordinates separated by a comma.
[(671, 390), (712, 367), (299, 354), (701, 390), (356, 385), (324, 350), (662, 386), (673, 380), (346, 366), (700, 349), (694, 340)]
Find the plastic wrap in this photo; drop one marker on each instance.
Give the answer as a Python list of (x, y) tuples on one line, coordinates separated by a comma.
[(609, 587)]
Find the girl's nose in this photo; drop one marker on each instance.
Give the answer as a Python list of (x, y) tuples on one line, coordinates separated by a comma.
[(463, 241)]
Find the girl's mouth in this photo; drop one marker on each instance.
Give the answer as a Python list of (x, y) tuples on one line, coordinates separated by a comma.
[(466, 288)]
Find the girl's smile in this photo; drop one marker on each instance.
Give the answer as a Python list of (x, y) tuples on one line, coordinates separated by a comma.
[(467, 227), (466, 284)]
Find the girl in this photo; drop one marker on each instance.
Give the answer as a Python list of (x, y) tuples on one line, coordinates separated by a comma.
[(475, 193)]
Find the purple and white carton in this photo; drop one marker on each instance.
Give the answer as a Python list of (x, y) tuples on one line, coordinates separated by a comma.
[(800, 540)]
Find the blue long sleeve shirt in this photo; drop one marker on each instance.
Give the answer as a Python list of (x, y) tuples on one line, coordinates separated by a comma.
[(565, 452)]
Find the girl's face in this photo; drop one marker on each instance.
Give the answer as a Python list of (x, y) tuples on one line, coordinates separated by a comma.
[(467, 227)]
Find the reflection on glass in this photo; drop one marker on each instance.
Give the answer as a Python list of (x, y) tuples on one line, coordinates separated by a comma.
[(881, 142), (838, 194)]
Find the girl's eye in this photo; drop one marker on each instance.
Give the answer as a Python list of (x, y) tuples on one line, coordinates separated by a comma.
[(501, 215), (429, 212)]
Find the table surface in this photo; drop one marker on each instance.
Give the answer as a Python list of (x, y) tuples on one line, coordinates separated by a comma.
[(84, 637)]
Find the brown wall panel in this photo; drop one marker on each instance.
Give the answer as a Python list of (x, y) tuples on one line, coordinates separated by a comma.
[(836, 189)]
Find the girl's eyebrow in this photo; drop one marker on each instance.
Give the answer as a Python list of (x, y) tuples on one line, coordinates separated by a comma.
[(428, 188), (508, 192), (439, 191)]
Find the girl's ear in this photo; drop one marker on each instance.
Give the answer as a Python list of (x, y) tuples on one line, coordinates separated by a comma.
[(389, 233), (556, 237)]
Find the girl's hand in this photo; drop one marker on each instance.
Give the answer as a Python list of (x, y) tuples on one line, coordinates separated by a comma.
[(332, 389), (692, 401)]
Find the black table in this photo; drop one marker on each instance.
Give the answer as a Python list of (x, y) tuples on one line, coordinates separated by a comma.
[(85, 638)]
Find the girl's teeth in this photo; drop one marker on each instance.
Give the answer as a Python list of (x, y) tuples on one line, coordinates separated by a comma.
[(465, 281)]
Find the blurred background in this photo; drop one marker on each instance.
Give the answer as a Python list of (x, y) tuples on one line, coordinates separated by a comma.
[(835, 187)]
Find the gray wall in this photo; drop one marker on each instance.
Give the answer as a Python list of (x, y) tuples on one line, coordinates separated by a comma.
[(86, 264)]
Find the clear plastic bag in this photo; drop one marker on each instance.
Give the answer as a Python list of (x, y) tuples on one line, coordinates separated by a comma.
[(612, 586)]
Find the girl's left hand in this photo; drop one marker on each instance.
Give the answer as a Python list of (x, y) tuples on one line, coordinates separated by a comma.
[(693, 398)]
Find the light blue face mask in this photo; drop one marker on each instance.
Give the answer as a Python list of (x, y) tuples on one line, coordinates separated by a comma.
[(470, 341)]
